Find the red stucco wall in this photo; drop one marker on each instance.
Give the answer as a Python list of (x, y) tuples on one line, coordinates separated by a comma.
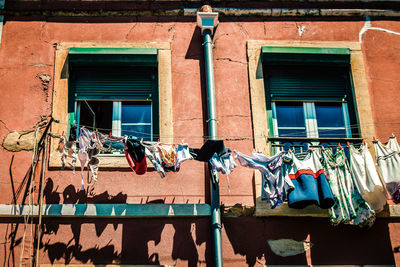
[(27, 51)]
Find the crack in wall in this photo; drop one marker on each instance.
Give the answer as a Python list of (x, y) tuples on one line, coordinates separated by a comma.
[(231, 60), (173, 33), (5, 125), (367, 26), (222, 35), (129, 32)]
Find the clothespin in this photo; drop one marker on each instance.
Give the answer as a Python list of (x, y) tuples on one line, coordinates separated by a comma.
[(374, 138), (62, 133), (348, 144), (339, 145), (393, 135), (109, 135), (364, 143), (323, 148), (183, 141)]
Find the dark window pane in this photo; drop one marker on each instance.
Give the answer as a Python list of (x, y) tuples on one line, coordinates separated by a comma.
[(289, 114), (103, 115), (332, 133), (139, 131), (292, 132), (329, 114), (136, 112)]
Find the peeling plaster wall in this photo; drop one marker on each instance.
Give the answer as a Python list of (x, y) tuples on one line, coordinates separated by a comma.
[(26, 82)]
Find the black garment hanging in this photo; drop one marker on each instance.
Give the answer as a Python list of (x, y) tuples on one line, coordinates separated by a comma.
[(135, 149), (206, 152)]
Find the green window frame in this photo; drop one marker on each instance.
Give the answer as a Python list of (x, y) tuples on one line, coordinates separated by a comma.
[(118, 75), (308, 76)]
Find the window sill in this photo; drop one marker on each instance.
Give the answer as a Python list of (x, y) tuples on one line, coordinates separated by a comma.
[(111, 161), (263, 210)]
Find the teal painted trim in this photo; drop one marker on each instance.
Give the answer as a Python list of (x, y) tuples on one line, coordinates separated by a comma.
[(71, 121), (108, 210), (140, 56), (304, 55), (112, 51), (346, 120), (305, 50)]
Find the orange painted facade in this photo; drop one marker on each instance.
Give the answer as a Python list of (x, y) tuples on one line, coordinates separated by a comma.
[(27, 50)]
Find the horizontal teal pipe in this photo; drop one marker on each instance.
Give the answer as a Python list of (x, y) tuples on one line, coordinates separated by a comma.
[(108, 210)]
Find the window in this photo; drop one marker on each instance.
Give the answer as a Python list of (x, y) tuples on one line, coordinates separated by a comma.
[(122, 100), (123, 87), (309, 94), (305, 90)]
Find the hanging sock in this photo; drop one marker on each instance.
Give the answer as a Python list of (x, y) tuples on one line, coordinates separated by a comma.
[(275, 186), (349, 206), (388, 160), (366, 178), (83, 157)]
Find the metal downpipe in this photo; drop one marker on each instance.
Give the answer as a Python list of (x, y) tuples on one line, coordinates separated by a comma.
[(212, 130)]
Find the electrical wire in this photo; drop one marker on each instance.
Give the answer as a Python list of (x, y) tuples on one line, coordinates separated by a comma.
[(31, 198)]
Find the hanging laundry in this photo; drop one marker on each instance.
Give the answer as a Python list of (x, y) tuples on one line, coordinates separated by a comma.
[(136, 152), (207, 150), (366, 178), (168, 154), (388, 159), (93, 161), (67, 149), (275, 186), (153, 154), (223, 163), (83, 157), (349, 206), (72, 153), (182, 154), (72, 133), (61, 148), (309, 180)]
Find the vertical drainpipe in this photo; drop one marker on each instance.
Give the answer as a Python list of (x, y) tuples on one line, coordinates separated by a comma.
[(2, 3), (207, 21)]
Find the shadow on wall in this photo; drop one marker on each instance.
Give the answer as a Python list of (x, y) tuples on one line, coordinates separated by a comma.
[(340, 245), (136, 239)]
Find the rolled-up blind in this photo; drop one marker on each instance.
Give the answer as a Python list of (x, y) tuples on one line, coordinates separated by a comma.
[(285, 82), (113, 83)]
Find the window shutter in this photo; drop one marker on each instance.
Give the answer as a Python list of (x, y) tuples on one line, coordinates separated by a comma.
[(306, 73), (307, 83), (113, 83)]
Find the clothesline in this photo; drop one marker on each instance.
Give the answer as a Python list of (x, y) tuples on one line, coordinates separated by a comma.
[(353, 195), (233, 138)]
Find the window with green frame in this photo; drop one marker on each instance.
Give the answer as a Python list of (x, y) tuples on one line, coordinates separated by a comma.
[(114, 90), (309, 92)]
